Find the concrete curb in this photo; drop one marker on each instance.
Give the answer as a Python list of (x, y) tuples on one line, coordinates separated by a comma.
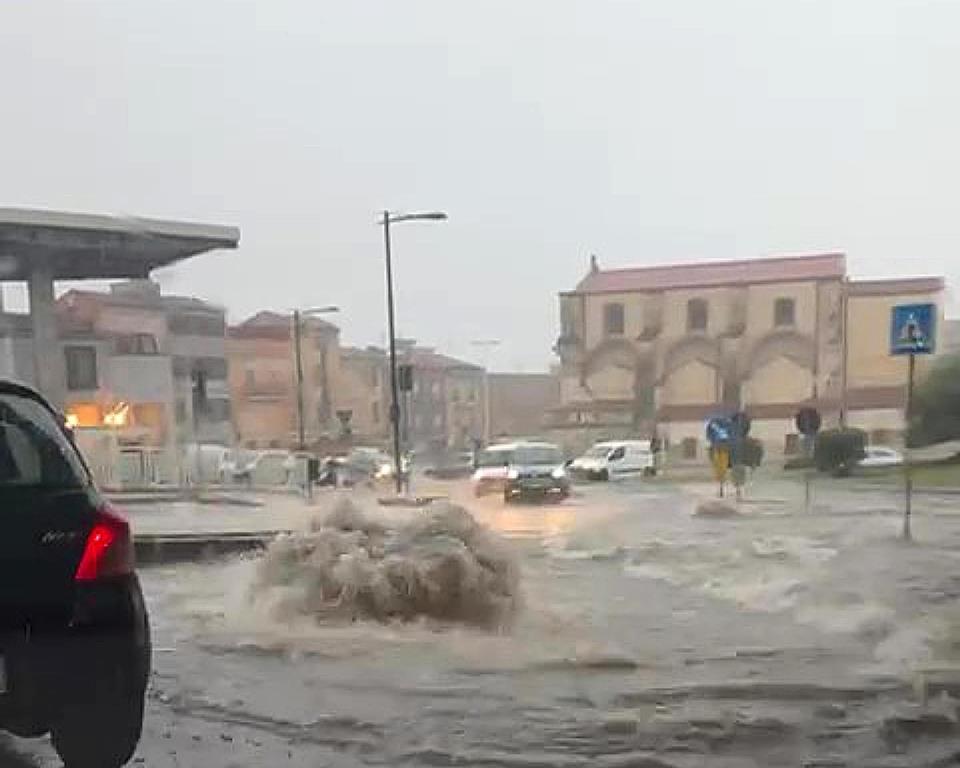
[(162, 549)]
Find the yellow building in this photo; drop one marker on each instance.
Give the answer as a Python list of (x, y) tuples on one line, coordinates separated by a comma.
[(659, 350)]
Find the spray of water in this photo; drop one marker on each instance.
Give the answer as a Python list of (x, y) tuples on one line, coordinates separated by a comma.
[(352, 564)]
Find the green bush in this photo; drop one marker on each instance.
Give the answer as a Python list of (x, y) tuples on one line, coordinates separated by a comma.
[(838, 450), (799, 462)]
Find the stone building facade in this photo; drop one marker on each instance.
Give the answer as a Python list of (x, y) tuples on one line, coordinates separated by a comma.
[(659, 350)]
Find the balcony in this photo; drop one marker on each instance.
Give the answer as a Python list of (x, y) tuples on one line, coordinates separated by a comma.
[(266, 391)]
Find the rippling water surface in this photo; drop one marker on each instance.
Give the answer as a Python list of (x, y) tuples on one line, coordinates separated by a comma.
[(643, 635)]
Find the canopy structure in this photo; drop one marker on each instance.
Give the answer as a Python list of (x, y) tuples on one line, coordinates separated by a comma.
[(41, 246)]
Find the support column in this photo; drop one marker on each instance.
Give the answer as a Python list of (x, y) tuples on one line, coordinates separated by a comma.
[(48, 363), (7, 365)]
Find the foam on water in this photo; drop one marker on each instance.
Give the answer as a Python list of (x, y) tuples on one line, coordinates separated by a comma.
[(766, 574), (354, 564)]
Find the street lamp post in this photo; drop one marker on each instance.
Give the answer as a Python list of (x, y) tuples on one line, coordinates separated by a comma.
[(388, 219), (486, 345), (298, 357)]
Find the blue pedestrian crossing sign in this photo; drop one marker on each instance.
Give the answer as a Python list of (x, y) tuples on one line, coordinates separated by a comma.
[(719, 430), (913, 329)]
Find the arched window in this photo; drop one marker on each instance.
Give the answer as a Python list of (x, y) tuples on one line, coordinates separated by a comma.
[(696, 315), (613, 322)]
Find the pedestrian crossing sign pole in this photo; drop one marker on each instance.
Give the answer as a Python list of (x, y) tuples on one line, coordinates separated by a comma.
[(912, 333)]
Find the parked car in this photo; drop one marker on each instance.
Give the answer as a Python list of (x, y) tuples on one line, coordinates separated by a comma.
[(536, 470), (330, 474), (452, 467), (364, 465), (269, 467), (75, 651), (615, 458), (879, 456), (203, 463)]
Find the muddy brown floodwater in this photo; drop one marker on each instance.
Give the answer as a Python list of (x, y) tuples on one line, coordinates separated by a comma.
[(639, 634)]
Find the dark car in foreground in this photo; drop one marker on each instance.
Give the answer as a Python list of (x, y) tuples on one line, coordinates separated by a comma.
[(536, 471), (74, 632)]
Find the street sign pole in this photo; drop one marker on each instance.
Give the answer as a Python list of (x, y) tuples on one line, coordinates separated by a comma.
[(912, 332), (808, 421), (908, 469)]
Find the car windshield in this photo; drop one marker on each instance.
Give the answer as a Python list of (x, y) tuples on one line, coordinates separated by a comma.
[(537, 455), (598, 452), (34, 452), (507, 383), (499, 457)]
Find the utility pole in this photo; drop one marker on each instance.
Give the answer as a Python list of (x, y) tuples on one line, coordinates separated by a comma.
[(844, 349), (298, 356), (394, 395)]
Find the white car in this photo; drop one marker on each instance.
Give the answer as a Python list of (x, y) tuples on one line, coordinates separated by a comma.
[(269, 467), (615, 458), (878, 456), (493, 466)]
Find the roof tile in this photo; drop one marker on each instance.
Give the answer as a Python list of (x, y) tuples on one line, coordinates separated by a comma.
[(716, 274)]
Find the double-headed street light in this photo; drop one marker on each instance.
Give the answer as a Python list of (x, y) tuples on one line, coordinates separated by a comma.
[(388, 219), (298, 316)]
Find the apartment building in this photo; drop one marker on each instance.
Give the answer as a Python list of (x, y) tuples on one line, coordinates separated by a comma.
[(263, 381)]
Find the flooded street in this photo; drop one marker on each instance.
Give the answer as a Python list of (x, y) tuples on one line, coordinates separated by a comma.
[(645, 636)]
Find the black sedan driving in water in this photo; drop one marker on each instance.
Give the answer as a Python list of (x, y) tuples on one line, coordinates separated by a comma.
[(74, 633), (536, 471)]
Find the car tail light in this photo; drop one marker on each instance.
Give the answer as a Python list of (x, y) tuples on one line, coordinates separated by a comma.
[(109, 548)]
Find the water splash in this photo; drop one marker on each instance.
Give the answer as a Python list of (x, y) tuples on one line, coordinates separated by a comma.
[(353, 564)]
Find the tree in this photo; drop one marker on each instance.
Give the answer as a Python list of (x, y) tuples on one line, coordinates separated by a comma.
[(936, 405), (838, 450)]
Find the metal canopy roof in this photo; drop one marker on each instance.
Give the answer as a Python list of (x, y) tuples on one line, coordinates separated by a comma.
[(79, 246)]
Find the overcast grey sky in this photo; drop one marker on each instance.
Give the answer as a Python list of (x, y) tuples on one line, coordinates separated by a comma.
[(647, 132)]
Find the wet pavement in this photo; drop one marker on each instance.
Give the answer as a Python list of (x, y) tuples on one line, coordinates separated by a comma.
[(646, 636)]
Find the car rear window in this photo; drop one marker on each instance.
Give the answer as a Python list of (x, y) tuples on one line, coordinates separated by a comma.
[(33, 448)]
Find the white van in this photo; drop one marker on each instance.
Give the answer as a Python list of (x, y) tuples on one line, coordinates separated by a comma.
[(615, 458)]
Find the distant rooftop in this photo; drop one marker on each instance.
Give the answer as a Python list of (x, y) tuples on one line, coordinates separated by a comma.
[(142, 294), (715, 274), (274, 325), (427, 358), (368, 352), (80, 246)]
